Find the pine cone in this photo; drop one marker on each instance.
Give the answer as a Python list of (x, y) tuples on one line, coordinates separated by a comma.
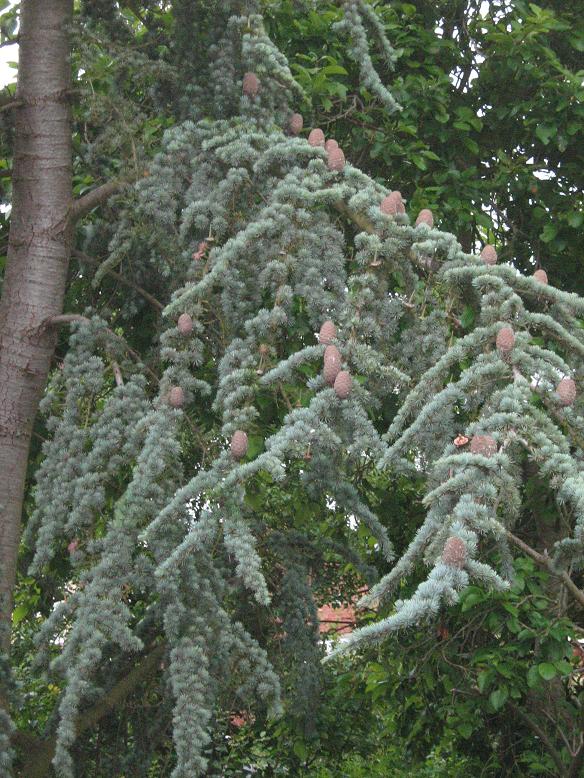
[(332, 364), (393, 204), (454, 552), (505, 340), (425, 217), (316, 137), (541, 276), (176, 397), (489, 255), (332, 354), (295, 124), (328, 331), (336, 160), (238, 444), (566, 390), (343, 384), (185, 324), (251, 84), (483, 444)]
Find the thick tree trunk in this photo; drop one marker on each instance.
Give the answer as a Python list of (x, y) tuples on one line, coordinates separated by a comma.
[(38, 255)]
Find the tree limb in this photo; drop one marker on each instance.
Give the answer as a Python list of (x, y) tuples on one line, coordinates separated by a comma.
[(10, 105), (542, 735), (83, 205), (69, 318), (364, 224), (82, 257), (39, 761), (546, 562)]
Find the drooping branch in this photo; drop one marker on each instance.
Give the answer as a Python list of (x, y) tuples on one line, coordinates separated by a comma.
[(82, 257)]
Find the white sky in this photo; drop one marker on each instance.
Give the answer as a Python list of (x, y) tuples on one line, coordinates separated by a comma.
[(8, 54), (8, 74)]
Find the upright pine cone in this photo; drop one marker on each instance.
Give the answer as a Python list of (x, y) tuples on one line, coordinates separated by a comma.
[(295, 124), (489, 255), (425, 217), (566, 391), (332, 364), (185, 324), (336, 160), (541, 276), (454, 552), (251, 84), (505, 341), (176, 397), (343, 384), (316, 137), (238, 444), (328, 332), (393, 204), (483, 444)]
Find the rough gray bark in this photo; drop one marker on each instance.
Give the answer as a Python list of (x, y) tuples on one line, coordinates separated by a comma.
[(38, 255)]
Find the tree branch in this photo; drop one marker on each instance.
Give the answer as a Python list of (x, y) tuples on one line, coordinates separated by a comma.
[(546, 562), (83, 205), (364, 224), (542, 735), (39, 762), (82, 257), (10, 105), (69, 318)]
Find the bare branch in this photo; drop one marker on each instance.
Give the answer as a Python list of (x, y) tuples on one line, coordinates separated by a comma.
[(83, 205), (546, 562), (10, 105)]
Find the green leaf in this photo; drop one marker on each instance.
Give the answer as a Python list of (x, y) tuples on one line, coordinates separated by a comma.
[(300, 750), (533, 677), (19, 613), (499, 697), (467, 318), (549, 233), (465, 729), (545, 132), (484, 678), (547, 671)]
